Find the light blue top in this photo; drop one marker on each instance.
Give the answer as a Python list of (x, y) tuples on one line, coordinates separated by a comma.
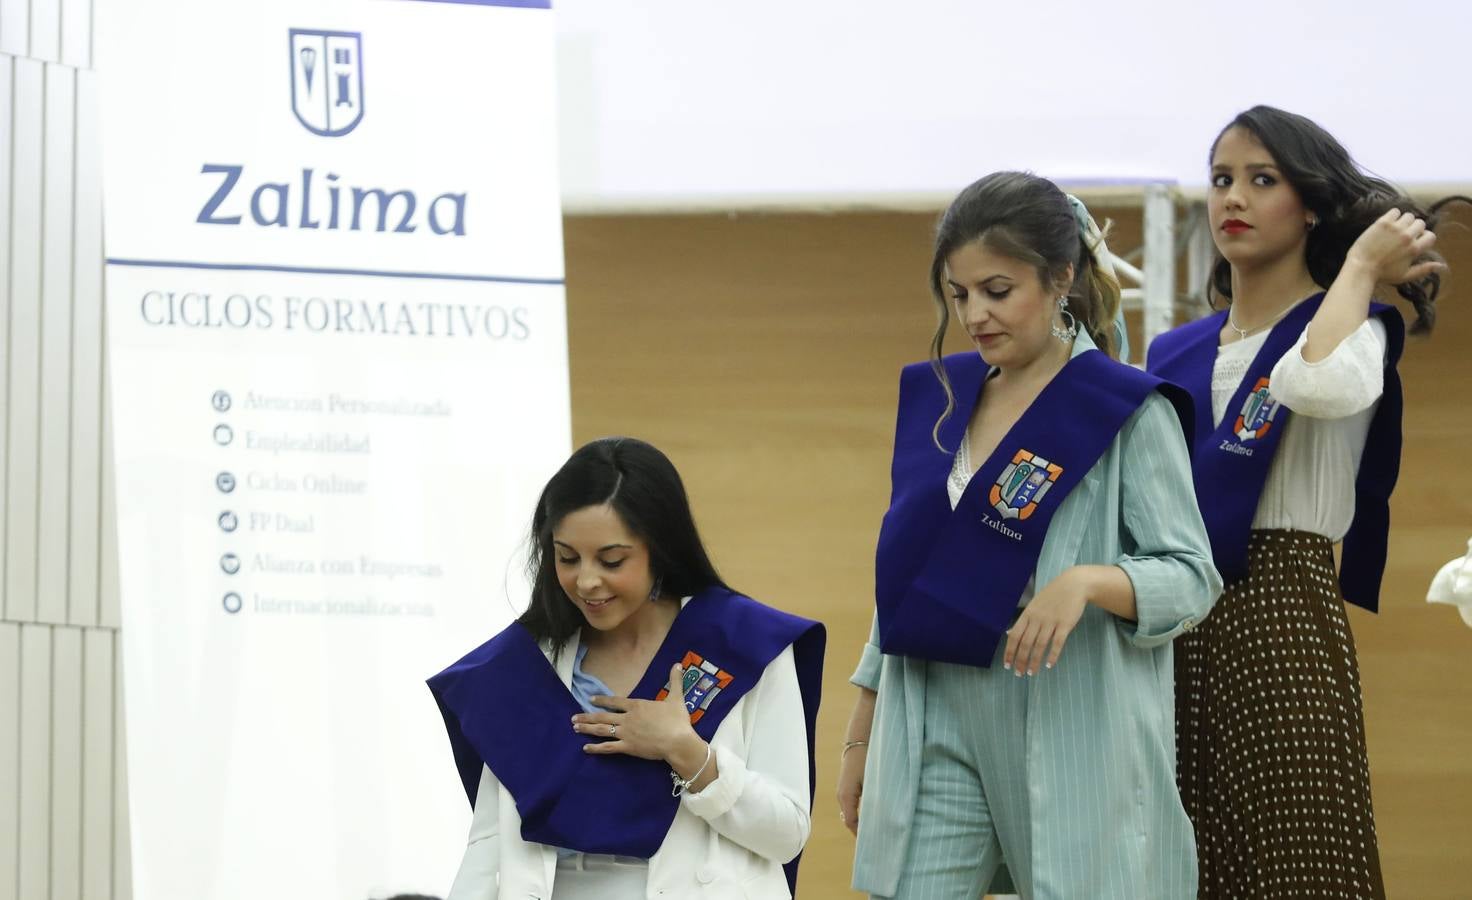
[(584, 686)]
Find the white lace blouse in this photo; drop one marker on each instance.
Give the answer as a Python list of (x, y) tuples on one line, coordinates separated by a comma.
[(1310, 485)]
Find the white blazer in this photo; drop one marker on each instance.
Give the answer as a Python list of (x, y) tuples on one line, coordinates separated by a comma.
[(727, 842)]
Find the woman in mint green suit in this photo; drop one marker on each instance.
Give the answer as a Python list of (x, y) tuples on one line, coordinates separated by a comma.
[(1026, 740)]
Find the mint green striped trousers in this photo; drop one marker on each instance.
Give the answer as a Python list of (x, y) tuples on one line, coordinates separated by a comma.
[(972, 813)]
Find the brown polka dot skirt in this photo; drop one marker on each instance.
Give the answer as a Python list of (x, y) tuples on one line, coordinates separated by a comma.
[(1270, 734)]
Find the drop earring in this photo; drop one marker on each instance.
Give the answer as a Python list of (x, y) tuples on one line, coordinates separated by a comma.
[(1069, 329)]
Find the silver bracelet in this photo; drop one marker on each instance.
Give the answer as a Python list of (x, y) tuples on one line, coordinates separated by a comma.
[(683, 784), (849, 745)]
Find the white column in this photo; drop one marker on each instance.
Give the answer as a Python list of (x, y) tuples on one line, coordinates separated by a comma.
[(1160, 262)]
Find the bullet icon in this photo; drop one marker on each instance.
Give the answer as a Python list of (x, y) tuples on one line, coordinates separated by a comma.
[(224, 434), (228, 521), (231, 602), (225, 482), (230, 564), (220, 401)]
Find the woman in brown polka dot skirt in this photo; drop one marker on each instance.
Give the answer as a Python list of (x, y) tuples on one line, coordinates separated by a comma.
[(1297, 447), (1270, 734)]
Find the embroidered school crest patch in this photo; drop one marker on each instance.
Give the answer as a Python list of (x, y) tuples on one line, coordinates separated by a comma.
[(1023, 484), (1258, 412), (703, 681)]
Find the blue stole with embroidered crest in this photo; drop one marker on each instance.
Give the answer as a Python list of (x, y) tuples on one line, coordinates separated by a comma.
[(505, 706), (947, 582), (1231, 460)]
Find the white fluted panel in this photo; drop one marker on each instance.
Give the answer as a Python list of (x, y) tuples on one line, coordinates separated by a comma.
[(7, 72), (66, 764), (110, 615), (15, 26), (86, 380), (24, 347), (97, 763), (9, 757), (63, 791), (34, 800), (56, 346), (122, 869), (45, 30), (76, 32)]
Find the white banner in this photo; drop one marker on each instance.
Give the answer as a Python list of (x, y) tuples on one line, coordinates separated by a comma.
[(338, 372)]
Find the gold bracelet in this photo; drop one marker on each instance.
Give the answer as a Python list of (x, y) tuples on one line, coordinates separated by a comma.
[(849, 745)]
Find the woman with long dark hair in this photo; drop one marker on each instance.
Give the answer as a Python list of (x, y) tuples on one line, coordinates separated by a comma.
[(642, 730), (1041, 550), (1297, 447)]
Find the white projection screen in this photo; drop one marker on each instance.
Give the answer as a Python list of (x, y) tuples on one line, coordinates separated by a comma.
[(677, 104)]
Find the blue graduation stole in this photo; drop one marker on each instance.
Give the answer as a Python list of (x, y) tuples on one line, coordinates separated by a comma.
[(505, 706), (947, 582), (1232, 459)]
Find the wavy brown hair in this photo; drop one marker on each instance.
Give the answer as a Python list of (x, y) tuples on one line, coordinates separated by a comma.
[(1027, 218), (1344, 197)]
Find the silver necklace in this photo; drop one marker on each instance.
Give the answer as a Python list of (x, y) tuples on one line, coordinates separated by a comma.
[(1242, 332)]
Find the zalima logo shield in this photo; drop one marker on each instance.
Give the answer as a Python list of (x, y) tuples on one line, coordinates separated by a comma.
[(1258, 412), (327, 80), (1023, 485), (702, 683)]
